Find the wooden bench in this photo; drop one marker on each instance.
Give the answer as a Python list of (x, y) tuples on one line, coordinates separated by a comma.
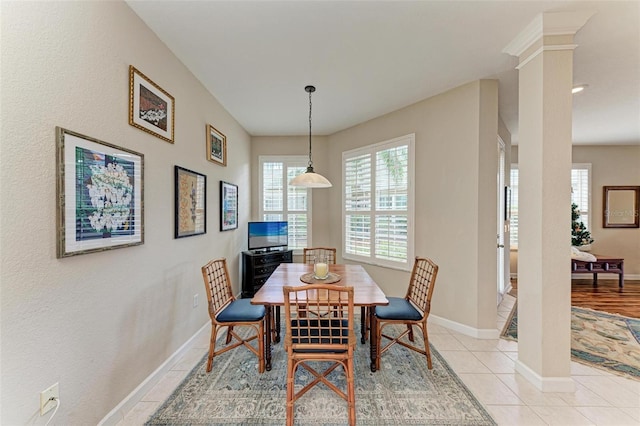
[(602, 264)]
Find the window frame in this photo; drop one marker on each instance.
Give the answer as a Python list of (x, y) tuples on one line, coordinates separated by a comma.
[(287, 161), (373, 149)]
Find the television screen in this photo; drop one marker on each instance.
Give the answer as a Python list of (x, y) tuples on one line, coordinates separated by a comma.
[(267, 235)]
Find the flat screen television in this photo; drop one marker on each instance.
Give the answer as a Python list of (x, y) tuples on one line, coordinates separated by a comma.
[(268, 235)]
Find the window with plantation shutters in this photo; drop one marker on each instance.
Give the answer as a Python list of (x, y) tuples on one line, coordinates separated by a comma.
[(513, 216), (580, 195), (581, 190), (279, 201), (378, 203)]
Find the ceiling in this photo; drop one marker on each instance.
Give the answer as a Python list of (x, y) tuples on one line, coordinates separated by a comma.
[(368, 58)]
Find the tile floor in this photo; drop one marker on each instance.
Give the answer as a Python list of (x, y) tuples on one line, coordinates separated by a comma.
[(487, 368)]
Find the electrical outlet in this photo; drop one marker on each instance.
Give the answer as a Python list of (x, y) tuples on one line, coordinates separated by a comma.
[(195, 300), (46, 403)]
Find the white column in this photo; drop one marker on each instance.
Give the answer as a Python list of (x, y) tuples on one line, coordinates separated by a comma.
[(545, 49)]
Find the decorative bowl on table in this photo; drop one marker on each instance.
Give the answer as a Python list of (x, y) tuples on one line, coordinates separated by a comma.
[(310, 278)]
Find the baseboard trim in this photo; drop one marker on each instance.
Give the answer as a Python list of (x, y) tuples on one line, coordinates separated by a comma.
[(127, 404), (478, 333), (545, 384), (633, 277)]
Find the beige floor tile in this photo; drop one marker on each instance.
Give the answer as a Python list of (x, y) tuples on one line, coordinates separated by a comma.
[(582, 397), (631, 385), (464, 362), (445, 342), (500, 324), (139, 414), (504, 314), (436, 329), (528, 393), (165, 386), (509, 415), (610, 390), (474, 344), (505, 345), (607, 416), (579, 369), (633, 412), (490, 390), (496, 362), (505, 309), (190, 359), (512, 355), (202, 341), (561, 416)]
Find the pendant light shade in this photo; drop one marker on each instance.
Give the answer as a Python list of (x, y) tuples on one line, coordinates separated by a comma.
[(310, 179)]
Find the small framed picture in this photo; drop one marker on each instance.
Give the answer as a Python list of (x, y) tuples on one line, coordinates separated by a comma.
[(228, 206), (216, 146), (151, 109), (99, 195), (191, 203)]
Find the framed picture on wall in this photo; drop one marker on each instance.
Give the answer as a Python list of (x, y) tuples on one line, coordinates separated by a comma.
[(190, 203), (621, 207), (151, 109), (228, 206), (216, 146), (99, 195)]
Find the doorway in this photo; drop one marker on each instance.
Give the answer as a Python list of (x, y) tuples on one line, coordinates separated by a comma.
[(502, 221)]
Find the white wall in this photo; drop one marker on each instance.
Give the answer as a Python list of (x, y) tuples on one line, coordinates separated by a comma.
[(99, 323)]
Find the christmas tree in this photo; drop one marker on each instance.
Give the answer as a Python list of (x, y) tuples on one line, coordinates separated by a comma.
[(579, 234)]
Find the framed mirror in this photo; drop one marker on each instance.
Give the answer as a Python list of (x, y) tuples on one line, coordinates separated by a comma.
[(620, 207)]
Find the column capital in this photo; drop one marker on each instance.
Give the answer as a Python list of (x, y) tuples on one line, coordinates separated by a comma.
[(548, 24)]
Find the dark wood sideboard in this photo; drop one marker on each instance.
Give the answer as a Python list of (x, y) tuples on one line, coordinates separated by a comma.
[(602, 264), (257, 267)]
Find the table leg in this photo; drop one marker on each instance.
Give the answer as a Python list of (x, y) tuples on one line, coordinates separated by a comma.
[(267, 339), (373, 337), (363, 327), (277, 338), (595, 279), (621, 280)]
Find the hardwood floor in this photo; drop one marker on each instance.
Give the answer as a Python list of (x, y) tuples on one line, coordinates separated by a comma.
[(606, 296)]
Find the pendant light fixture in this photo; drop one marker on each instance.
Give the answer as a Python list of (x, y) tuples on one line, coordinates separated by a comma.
[(310, 179)]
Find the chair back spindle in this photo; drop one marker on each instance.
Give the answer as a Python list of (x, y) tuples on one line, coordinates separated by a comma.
[(310, 253), (420, 290)]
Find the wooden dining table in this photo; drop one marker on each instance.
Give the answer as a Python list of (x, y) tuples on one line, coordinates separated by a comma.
[(366, 294)]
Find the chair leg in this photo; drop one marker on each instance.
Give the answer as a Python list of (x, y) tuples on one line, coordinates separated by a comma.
[(212, 347), (410, 328), (351, 393), (290, 390), (378, 332), (426, 345), (229, 331)]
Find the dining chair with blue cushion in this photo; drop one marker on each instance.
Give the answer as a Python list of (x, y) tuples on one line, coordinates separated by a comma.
[(227, 311), (312, 339), (413, 309)]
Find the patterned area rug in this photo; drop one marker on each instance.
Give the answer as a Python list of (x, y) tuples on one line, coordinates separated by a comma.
[(403, 392), (607, 341)]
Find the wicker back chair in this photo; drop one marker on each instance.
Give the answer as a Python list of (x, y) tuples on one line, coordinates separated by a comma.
[(411, 310), (227, 311), (319, 339), (309, 253)]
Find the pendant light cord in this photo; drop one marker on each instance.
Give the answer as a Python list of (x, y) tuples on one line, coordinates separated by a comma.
[(310, 161)]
